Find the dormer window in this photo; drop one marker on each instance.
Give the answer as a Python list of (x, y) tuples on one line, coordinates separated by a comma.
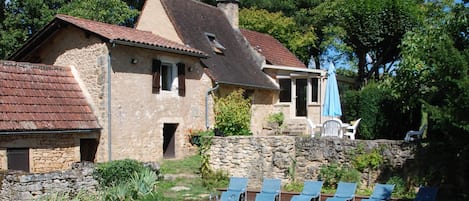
[(217, 47)]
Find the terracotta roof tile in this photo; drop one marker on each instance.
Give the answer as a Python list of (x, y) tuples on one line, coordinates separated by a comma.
[(273, 51), (41, 97), (114, 32)]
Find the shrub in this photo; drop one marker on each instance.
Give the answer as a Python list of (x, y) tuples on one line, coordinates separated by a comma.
[(116, 172), (350, 175), (276, 118), (140, 185), (382, 114), (233, 114), (215, 179), (294, 186), (332, 173), (400, 189)]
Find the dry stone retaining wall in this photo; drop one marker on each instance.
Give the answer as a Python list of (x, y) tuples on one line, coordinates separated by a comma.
[(24, 186), (273, 156)]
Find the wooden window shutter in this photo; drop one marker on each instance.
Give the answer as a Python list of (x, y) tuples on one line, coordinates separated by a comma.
[(181, 79), (156, 73)]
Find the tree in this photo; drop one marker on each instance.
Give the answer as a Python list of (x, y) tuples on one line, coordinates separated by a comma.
[(108, 11), (23, 18), (280, 27), (434, 68), (373, 27), (434, 73)]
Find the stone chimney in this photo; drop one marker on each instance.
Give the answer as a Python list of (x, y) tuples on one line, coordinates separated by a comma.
[(231, 10)]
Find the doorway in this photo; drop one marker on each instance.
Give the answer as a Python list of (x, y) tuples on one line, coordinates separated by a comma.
[(169, 140), (301, 97), (88, 148)]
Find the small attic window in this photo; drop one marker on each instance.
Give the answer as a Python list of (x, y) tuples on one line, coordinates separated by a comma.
[(217, 47)]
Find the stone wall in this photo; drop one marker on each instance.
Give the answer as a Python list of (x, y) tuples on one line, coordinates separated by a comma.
[(47, 152), (21, 186), (273, 156)]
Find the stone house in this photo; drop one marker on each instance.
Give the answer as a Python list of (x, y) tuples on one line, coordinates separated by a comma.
[(273, 77), (46, 122), (151, 86), (146, 91)]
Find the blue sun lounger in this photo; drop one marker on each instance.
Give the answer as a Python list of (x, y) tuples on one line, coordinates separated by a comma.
[(381, 192), (311, 190), (345, 191), (270, 190), (426, 194), (237, 190)]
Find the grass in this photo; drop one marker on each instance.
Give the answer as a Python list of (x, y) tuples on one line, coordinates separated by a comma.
[(188, 170), (188, 165)]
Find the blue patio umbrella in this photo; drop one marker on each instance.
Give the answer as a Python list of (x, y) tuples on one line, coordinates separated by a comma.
[(331, 100)]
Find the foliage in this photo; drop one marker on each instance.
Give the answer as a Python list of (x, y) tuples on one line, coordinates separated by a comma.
[(20, 19), (278, 118), (400, 189), (63, 196), (437, 70), (215, 179), (367, 160), (115, 172), (140, 185), (434, 73), (198, 134), (294, 186), (205, 169), (233, 114), (109, 11), (283, 28), (332, 173), (373, 27), (376, 104), (363, 159), (211, 179)]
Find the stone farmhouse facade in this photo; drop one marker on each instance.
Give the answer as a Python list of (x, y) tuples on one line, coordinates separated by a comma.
[(148, 87)]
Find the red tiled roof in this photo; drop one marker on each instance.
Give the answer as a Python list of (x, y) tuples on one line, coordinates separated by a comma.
[(121, 33), (273, 51), (41, 97)]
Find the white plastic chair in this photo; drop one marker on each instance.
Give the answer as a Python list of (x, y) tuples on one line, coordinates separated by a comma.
[(332, 127), (412, 135), (351, 130)]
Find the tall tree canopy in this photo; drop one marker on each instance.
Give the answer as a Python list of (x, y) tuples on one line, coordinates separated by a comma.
[(280, 27), (435, 66), (22, 18), (373, 27)]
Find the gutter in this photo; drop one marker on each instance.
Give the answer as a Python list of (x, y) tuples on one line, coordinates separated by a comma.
[(296, 69), (206, 103), (158, 48), (47, 132), (109, 128), (249, 85)]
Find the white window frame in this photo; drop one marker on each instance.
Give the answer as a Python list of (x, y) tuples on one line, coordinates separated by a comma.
[(173, 81), (309, 88)]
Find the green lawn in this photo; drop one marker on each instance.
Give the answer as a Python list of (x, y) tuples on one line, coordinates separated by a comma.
[(186, 174)]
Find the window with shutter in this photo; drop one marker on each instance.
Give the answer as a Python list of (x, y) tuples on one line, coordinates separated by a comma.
[(156, 71), (169, 77), (182, 79)]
